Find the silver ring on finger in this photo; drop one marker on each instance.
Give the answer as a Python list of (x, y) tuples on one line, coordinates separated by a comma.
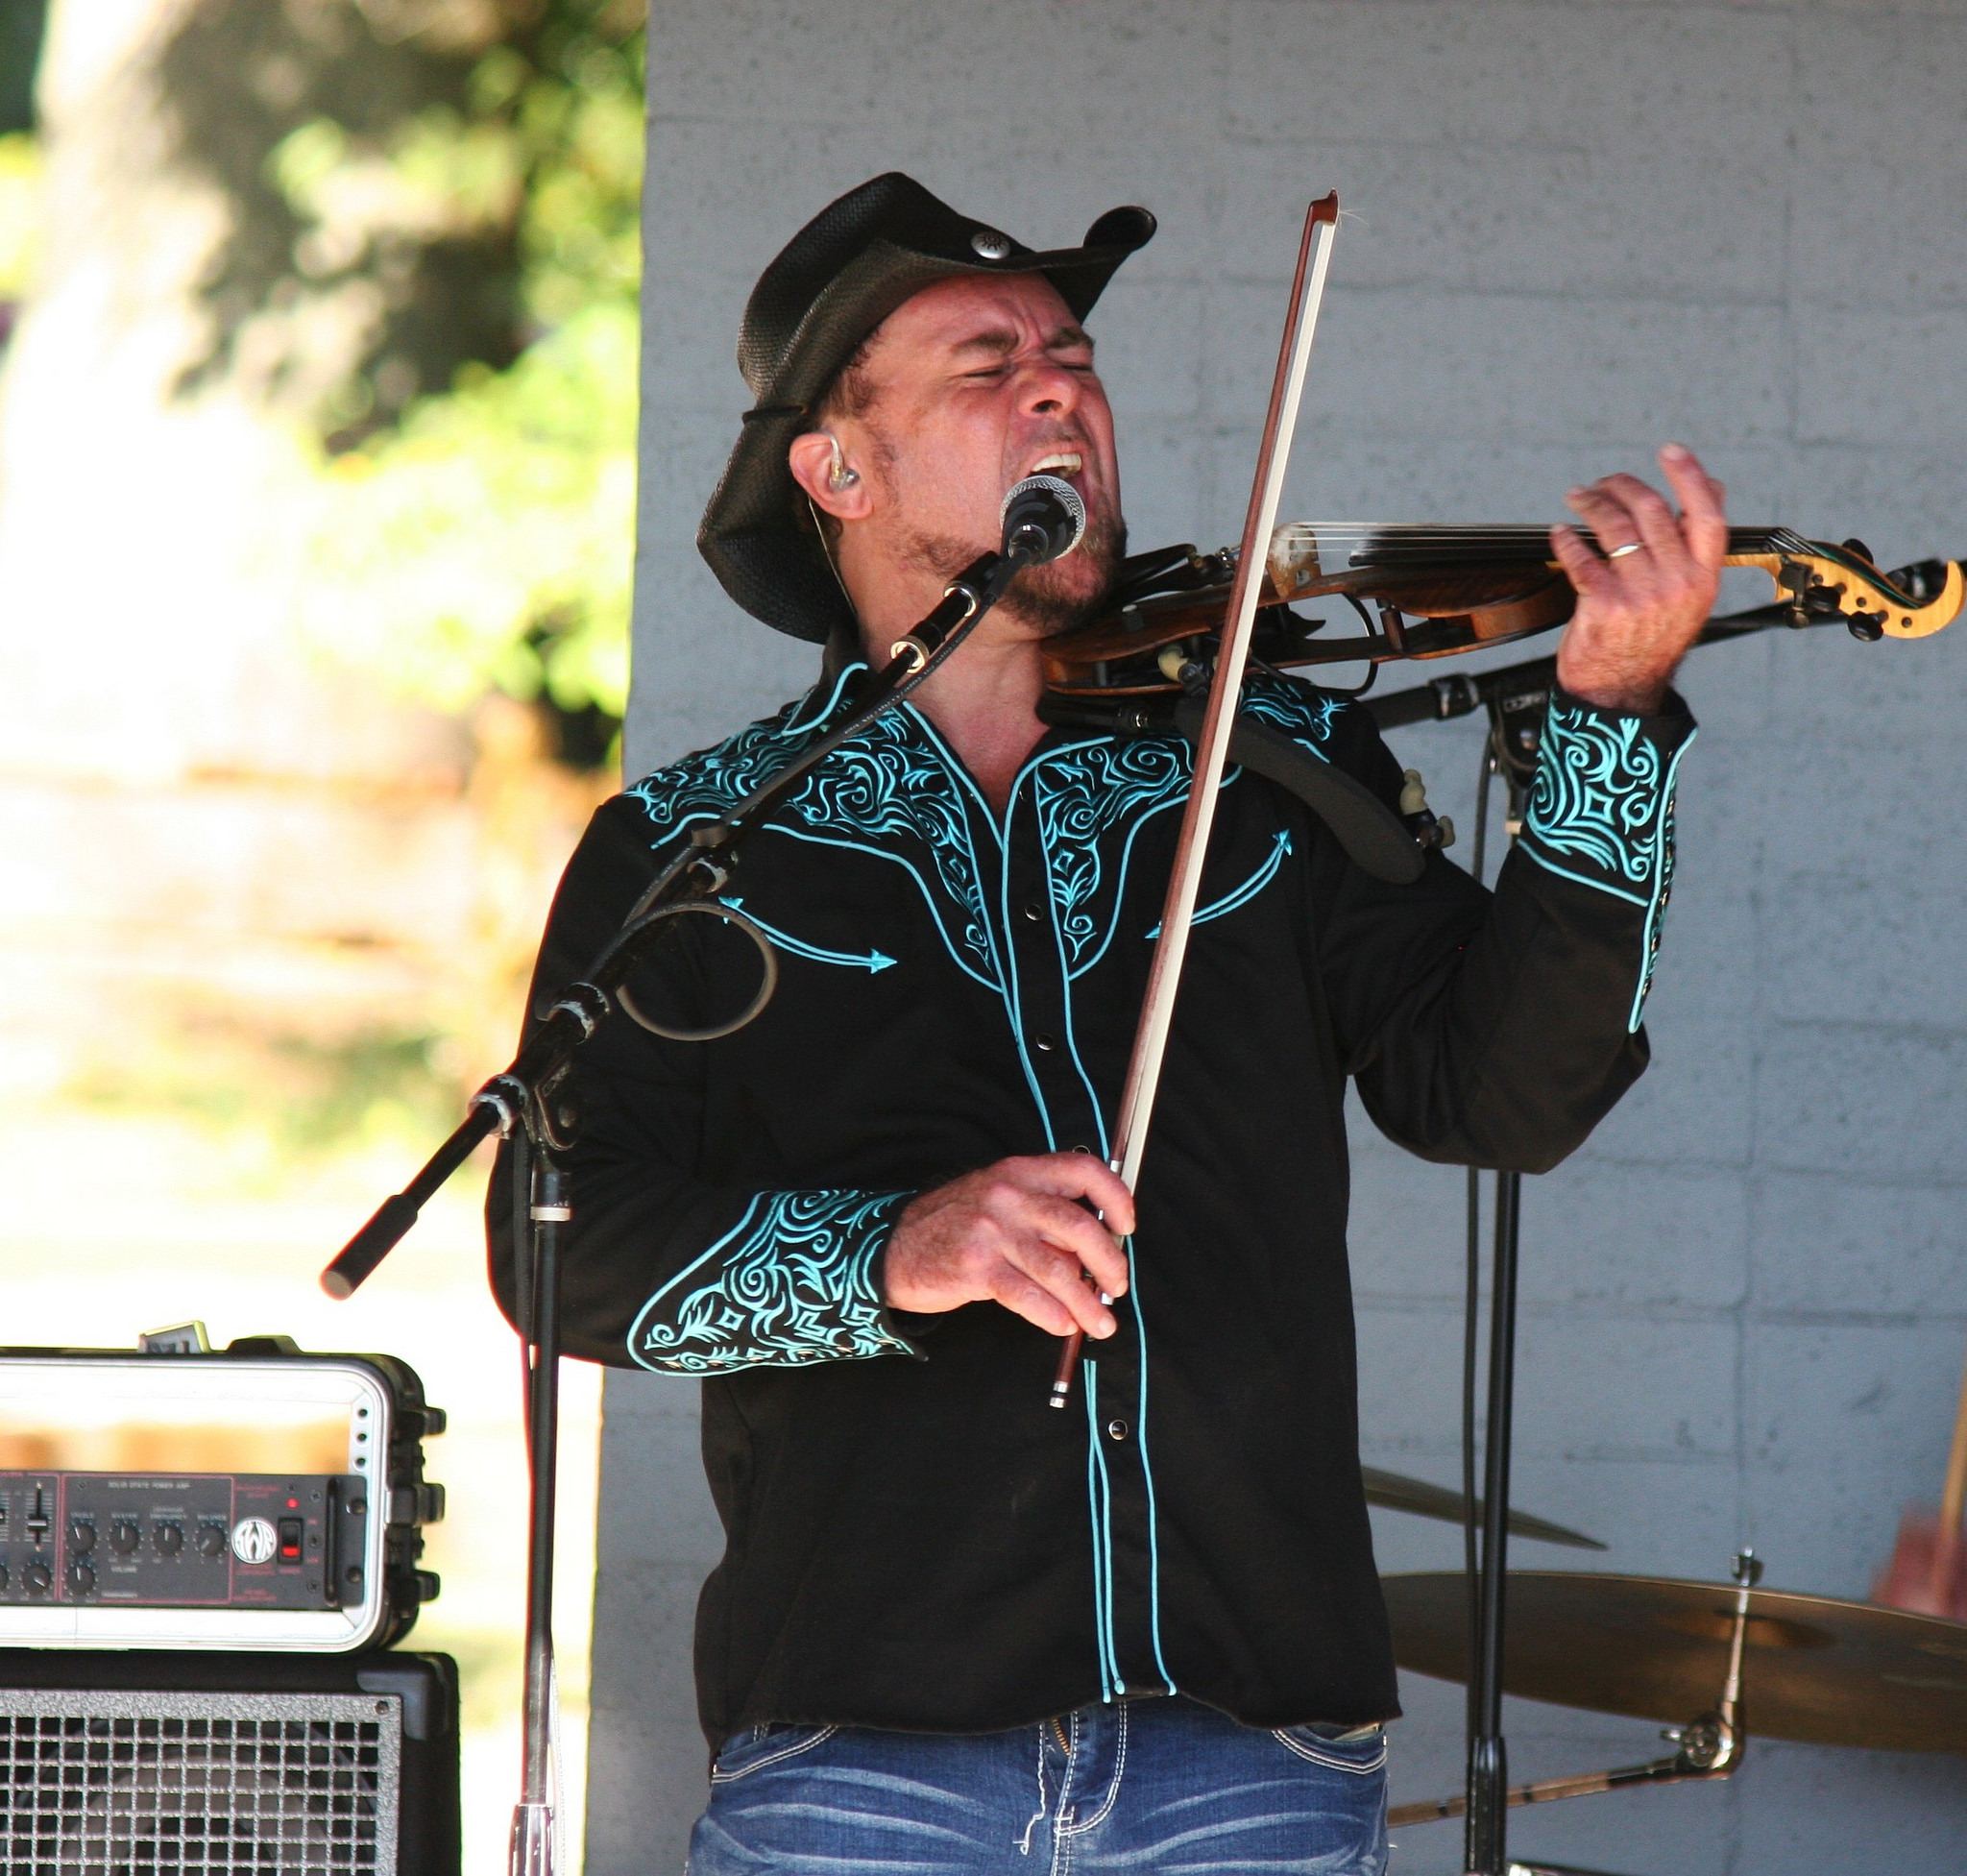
[(1625, 548)]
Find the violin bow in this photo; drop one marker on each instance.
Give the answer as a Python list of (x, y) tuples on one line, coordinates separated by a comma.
[(1178, 910)]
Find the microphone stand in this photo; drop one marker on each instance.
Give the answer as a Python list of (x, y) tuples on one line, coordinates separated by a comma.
[(518, 1100)]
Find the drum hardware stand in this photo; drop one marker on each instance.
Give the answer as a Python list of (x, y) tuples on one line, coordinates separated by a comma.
[(1711, 1745)]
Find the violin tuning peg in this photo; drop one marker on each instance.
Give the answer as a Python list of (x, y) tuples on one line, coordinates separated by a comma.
[(1429, 830), (1857, 547), (1866, 627), (1179, 665)]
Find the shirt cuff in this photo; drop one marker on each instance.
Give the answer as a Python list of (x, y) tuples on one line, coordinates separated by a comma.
[(1601, 807), (793, 1282)]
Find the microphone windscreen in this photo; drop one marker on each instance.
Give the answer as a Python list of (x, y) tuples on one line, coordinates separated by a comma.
[(1047, 511)]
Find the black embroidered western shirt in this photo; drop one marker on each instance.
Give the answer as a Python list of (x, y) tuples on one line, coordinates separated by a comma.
[(914, 1538)]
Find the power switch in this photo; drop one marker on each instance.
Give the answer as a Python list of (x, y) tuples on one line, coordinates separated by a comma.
[(290, 1541)]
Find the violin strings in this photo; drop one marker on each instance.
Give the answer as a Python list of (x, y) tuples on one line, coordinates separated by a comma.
[(1503, 536)]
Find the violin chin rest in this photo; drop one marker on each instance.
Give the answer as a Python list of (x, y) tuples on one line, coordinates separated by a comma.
[(1375, 839)]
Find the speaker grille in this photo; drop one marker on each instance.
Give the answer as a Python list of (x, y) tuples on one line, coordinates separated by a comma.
[(155, 1784)]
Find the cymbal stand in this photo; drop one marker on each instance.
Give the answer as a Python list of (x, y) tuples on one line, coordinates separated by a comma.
[(1711, 1745)]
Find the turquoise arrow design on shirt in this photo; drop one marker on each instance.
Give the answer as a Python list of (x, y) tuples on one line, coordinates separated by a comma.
[(1249, 888), (868, 961)]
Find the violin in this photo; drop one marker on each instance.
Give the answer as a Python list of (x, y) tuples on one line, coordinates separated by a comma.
[(1435, 591), (1188, 625)]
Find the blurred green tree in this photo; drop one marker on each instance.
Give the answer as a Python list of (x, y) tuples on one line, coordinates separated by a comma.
[(481, 534), (22, 24), (405, 232)]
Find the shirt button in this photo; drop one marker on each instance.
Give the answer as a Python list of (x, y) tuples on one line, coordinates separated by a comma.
[(1116, 1430), (1043, 1043), (1034, 911)]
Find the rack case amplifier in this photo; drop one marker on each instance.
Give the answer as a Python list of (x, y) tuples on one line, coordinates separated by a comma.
[(257, 1497)]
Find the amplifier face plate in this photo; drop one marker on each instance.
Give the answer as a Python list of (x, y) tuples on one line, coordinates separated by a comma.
[(154, 1503), (104, 1782)]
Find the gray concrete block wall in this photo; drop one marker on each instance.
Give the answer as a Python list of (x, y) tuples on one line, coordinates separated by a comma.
[(1573, 230)]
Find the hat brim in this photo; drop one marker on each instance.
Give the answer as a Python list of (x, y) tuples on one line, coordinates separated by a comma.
[(774, 568)]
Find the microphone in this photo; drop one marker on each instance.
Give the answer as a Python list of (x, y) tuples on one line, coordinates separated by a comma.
[(1044, 518)]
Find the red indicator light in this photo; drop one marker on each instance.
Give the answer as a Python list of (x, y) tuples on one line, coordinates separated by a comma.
[(292, 1505)]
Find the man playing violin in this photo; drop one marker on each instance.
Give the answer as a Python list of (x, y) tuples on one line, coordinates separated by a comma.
[(951, 1629)]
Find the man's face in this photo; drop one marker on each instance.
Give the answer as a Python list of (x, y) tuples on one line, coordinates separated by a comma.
[(976, 383)]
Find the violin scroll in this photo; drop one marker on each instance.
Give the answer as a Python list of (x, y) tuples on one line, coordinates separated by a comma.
[(1825, 582)]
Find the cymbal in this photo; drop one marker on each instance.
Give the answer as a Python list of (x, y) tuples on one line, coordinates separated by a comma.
[(1814, 1669), (1398, 1493)]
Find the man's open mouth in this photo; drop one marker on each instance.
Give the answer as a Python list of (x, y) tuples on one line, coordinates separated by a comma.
[(1059, 462)]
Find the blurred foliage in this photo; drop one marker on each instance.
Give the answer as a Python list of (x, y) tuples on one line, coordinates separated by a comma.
[(430, 266), (20, 191), (23, 24), (485, 537), (289, 1097)]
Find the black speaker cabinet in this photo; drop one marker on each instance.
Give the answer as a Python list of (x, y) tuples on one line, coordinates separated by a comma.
[(227, 1765)]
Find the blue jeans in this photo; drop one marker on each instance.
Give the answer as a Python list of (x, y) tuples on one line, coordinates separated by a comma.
[(1142, 1788)]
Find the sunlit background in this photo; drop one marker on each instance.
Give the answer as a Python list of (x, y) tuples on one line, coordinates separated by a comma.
[(317, 380)]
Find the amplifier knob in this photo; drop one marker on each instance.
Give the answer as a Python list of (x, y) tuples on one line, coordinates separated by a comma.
[(170, 1539), (123, 1536), (81, 1579), (211, 1540), (81, 1536), (38, 1577)]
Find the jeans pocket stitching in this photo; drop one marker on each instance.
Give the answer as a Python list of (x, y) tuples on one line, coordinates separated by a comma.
[(792, 1751), (1360, 1768)]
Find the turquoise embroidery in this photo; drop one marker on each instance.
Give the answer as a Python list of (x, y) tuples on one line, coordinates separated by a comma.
[(791, 1284), (1280, 845), (1598, 800), (884, 782), (867, 960), (1601, 813), (1141, 1422), (1305, 714), (1100, 1496), (703, 786), (1656, 918), (1082, 796)]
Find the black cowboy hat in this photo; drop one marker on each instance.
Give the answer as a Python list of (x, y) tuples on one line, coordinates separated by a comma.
[(830, 286)]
